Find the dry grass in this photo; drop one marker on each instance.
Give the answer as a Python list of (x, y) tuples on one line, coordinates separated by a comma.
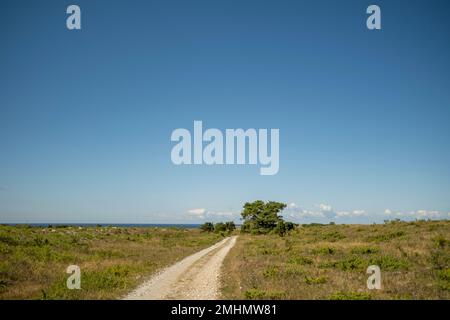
[(330, 262), (113, 261)]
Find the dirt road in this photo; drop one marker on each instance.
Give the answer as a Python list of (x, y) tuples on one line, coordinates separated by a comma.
[(195, 277)]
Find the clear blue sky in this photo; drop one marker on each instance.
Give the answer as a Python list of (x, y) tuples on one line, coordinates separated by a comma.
[(86, 116)]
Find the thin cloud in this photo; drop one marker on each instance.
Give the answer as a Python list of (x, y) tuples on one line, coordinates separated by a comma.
[(418, 214), (350, 214), (204, 214), (327, 211), (325, 207), (320, 212), (199, 211)]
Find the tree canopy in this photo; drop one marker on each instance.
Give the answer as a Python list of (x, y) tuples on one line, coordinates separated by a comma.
[(263, 217)]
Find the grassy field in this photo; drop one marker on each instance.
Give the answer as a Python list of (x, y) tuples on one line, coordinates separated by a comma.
[(330, 262), (113, 261)]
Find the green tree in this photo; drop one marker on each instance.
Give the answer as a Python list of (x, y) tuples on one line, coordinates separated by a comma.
[(280, 228), (207, 227), (261, 217), (290, 226), (220, 227), (230, 226)]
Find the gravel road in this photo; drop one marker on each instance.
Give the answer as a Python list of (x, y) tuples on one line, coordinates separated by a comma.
[(193, 278)]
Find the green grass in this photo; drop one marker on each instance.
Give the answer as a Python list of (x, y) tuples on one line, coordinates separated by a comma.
[(330, 262), (340, 295), (33, 260)]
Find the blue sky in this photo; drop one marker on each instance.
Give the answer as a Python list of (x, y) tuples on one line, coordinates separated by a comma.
[(86, 116)]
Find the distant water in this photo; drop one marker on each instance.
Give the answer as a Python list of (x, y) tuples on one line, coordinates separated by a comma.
[(121, 225)]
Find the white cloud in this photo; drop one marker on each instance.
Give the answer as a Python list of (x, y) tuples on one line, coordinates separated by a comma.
[(222, 214), (428, 214), (418, 214), (325, 207), (311, 214), (294, 211), (327, 211), (350, 214), (197, 212), (292, 206), (323, 211), (202, 213)]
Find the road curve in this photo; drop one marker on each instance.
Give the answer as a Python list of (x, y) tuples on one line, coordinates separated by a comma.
[(196, 277)]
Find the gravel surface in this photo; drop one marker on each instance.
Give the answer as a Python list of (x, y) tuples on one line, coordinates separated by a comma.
[(193, 278)]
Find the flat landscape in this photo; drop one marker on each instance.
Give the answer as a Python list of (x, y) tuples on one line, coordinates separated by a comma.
[(330, 262), (113, 261), (308, 262)]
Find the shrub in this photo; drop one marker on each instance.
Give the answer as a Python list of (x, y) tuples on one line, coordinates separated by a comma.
[(328, 264), (8, 240), (271, 272), (444, 279), (230, 226), (389, 263), (365, 250), (39, 242), (300, 260), (324, 251), (439, 259), (341, 295), (332, 236), (318, 280), (441, 242), (280, 229), (290, 226), (220, 227), (111, 278), (256, 294), (207, 227), (275, 295), (293, 270), (386, 236), (314, 224), (269, 251), (444, 275), (353, 263)]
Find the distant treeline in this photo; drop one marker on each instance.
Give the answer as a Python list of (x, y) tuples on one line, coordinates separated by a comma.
[(220, 227), (259, 218)]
